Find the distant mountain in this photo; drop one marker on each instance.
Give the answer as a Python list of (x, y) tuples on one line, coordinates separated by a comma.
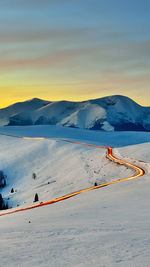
[(26, 108), (112, 113)]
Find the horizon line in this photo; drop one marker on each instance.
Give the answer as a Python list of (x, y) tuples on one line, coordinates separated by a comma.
[(75, 101)]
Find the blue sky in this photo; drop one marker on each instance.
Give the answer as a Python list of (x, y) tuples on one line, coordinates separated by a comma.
[(74, 49)]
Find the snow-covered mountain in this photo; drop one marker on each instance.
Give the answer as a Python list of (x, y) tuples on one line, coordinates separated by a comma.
[(20, 109), (110, 113)]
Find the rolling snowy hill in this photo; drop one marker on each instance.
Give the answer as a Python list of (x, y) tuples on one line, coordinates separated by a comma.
[(60, 167), (113, 113), (105, 227)]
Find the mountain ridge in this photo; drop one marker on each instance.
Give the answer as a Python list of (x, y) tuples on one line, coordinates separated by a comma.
[(110, 113)]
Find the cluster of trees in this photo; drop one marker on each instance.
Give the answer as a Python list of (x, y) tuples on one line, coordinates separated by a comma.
[(3, 205)]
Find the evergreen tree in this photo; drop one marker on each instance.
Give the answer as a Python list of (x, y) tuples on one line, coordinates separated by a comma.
[(12, 190), (36, 198)]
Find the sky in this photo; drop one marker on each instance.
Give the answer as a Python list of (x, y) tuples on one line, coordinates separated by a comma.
[(74, 49)]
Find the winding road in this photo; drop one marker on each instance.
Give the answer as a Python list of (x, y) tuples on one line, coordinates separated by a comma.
[(139, 172)]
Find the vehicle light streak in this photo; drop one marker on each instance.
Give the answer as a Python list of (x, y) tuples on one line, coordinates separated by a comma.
[(139, 172)]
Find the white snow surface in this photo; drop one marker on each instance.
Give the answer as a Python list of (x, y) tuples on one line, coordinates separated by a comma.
[(86, 117), (104, 227)]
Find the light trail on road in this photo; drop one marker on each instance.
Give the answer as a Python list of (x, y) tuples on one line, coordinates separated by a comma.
[(139, 172)]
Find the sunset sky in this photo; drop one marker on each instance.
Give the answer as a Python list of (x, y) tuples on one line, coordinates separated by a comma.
[(74, 49)]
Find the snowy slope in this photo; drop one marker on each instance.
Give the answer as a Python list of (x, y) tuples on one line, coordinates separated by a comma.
[(109, 227), (106, 227), (21, 109), (123, 113), (60, 168), (117, 113)]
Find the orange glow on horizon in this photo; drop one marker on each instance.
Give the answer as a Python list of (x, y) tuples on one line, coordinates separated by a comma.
[(7, 101)]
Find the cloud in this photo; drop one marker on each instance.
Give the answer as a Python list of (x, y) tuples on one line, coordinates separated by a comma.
[(41, 35), (51, 60)]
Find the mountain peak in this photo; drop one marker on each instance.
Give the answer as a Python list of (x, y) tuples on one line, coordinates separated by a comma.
[(37, 100)]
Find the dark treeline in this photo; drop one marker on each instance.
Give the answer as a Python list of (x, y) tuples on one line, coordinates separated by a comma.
[(3, 205)]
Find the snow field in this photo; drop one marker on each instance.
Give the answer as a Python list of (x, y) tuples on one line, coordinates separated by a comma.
[(108, 227), (60, 168)]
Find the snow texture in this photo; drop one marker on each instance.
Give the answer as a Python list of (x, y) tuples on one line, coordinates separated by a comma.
[(105, 227)]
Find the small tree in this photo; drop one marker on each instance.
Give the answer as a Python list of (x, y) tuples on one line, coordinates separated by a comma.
[(12, 190), (36, 198)]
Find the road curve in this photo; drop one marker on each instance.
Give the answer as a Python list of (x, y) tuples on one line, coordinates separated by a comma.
[(139, 172)]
